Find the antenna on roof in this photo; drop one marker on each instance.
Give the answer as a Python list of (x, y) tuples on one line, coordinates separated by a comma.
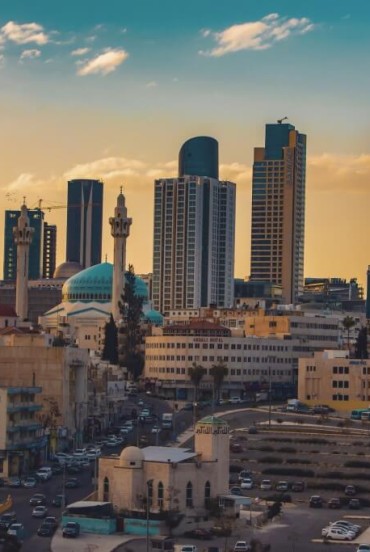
[(281, 120)]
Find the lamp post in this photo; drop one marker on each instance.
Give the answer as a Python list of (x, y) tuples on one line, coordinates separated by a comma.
[(148, 485)]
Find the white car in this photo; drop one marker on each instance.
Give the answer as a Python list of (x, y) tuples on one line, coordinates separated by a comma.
[(156, 429), (246, 484), (235, 400), (338, 533), (242, 546), (92, 454), (363, 548), (39, 511), (44, 473), (79, 453), (266, 485), (346, 525)]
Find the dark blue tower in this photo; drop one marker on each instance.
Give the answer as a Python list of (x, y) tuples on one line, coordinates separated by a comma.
[(84, 222), (199, 157)]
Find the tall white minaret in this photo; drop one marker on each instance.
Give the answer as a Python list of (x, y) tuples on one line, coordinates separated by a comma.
[(22, 237), (120, 230)]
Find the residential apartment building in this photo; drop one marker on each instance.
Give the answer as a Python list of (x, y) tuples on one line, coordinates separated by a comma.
[(331, 378), (278, 210), (22, 440)]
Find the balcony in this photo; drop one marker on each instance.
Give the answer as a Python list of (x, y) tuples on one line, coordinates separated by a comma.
[(17, 407), (29, 425), (24, 390), (24, 444)]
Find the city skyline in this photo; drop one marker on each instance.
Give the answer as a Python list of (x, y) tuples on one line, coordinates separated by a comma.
[(113, 93)]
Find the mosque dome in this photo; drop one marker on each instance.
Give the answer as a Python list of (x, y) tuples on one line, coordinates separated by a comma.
[(95, 284), (154, 317), (131, 457), (67, 270)]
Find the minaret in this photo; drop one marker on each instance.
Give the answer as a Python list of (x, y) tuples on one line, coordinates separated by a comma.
[(120, 230), (22, 237)]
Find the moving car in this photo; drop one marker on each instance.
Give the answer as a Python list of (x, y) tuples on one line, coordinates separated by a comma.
[(39, 512), (58, 501), (14, 482), (38, 499), (44, 474), (48, 527), (71, 483), (71, 529), (29, 482), (242, 546), (7, 519), (18, 530)]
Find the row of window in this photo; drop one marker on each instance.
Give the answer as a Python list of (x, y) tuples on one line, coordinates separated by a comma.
[(224, 346), (232, 371)]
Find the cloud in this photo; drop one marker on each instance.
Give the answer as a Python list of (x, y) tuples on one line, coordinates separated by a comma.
[(151, 84), (256, 35), (22, 182), (335, 172), (236, 172), (107, 168), (29, 54), (80, 51), (25, 33), (104, 63)]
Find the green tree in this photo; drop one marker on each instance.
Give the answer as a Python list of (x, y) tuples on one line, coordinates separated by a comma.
[(218, 372), (348, 322), (130, 331), (196, 373), (361, 344), (110, 350)]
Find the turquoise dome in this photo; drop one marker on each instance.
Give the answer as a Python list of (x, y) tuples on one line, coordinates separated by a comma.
[(95, 284), (154, 317)]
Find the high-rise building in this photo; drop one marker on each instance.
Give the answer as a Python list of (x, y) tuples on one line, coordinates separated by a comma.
[(278, 210), (84, 222), (49, 250), (199, 156), (368, 294), (35, 267), (194, 235)]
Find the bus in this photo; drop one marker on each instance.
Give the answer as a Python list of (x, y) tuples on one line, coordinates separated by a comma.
[(357, 414)]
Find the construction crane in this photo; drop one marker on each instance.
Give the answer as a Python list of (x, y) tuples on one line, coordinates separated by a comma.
[(281, 120), (49, 208)]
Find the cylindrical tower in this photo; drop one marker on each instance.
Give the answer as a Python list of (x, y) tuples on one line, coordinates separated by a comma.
[(120, 230), (22, 238), (199, 157)]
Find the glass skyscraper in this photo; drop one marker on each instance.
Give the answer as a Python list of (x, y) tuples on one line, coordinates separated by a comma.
[(35, 268), (84, 222), (194, 236), (278, 210), (199, 157)]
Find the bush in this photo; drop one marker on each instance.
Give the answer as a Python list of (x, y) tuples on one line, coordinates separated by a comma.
[(289, 450), (294, 472), (357, 464), (297, 461), (270, 460)]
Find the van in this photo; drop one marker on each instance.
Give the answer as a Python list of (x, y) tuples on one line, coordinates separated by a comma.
[(185, 548)]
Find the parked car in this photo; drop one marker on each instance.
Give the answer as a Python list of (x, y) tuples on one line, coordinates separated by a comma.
[(7, 519), (14, 482), (221, 530), (354, 504), (200, 533), (38, 499), (266, 485), (298, 486), (44, 474), (80, 452), (246, 484), (51, 520), (242, 546), (363, 548), (316, 501), (235, 400), (350, 490), (39, 512), (252, 430), (347, 525), (334, 503), (29, 482), (17, 530), (244, 474), (72, 483), (71, 529), (236, 491), (338, 533), (58, 501), (282, 486), (236, 447)]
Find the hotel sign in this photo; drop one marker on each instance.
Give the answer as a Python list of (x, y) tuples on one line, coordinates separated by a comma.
[(208, 340), (212, 430)]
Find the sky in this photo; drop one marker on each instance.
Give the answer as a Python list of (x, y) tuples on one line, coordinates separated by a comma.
[(112, 89)]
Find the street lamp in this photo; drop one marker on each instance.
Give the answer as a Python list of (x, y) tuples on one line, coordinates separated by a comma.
[(149, 483)]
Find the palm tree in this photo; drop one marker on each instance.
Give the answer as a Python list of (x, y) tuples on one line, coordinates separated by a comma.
[(348, 323), (218, 372), (196, 373)]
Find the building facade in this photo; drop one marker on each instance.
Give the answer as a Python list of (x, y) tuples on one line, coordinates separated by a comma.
[(49, 250), (331, 378), (36, 222), (278, 210), (199, 157), (194, 229), (22, 443), (84, 222)]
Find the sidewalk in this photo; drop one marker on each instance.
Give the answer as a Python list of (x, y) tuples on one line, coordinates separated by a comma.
[(89, 542)]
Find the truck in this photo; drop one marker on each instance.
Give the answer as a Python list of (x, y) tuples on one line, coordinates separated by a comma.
[(167, 420)]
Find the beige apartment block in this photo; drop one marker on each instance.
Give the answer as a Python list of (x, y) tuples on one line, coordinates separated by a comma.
[(30, 359), (331, 378)]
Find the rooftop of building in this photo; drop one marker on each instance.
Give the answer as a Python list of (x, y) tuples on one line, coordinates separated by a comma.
[(167, 454)]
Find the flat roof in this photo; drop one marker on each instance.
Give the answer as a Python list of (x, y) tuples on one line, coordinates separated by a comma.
[(167, 454), (86, 503)]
